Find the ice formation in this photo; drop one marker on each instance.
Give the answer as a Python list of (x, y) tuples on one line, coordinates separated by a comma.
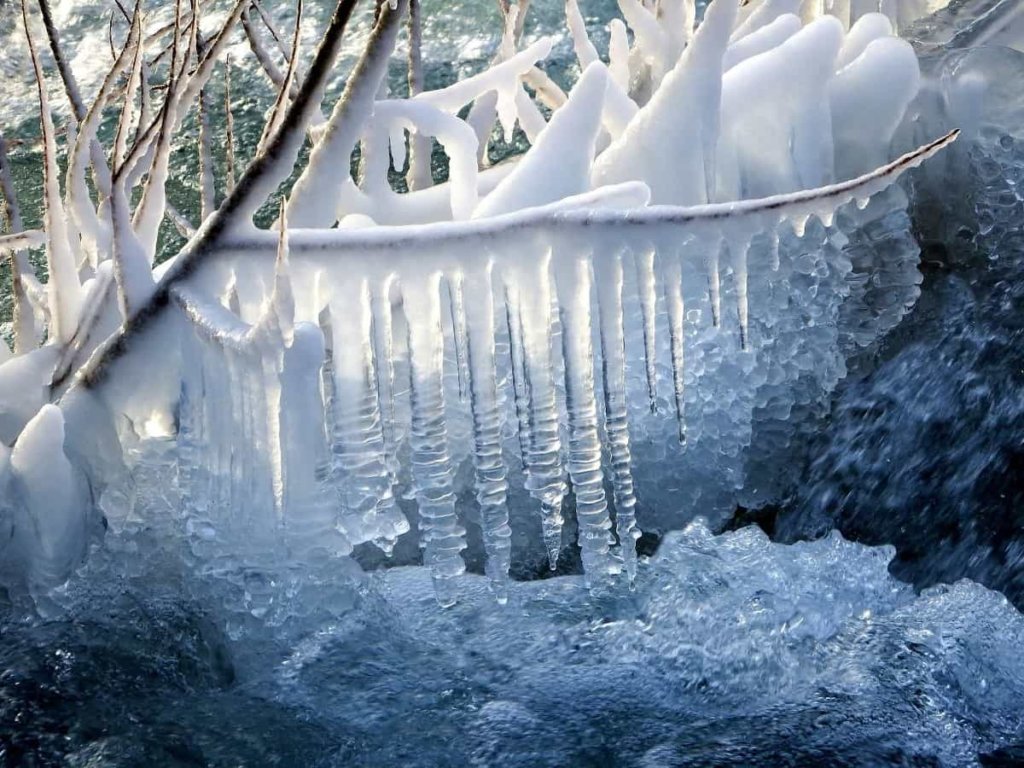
[(683, 212)]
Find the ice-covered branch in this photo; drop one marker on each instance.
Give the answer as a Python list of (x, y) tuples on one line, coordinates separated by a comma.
[(314, 199), (64, 289), (580, 214), (100, 171)]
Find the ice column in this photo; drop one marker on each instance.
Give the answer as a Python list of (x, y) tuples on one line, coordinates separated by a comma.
[(528, 273), (491, 483), (609, 277), (441, 535), (361, 471), (573, 280)]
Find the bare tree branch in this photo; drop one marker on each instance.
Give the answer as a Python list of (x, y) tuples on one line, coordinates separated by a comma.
[(264, 175)]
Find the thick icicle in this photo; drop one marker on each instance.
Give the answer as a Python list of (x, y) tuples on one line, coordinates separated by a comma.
[(368, 511), (545, 477), (309, 515), (441, 534), (491, 483), (383, 345), (609, 278), (574, 283)]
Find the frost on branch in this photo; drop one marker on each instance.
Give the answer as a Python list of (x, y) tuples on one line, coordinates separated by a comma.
[(376, 351)]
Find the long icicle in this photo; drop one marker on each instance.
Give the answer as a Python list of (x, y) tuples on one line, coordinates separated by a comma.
[(491, 480), (646, 287), (363, 476), (520, 393), (672, 282), (574, 283), (608, 274), (442, 536), (545, 478)]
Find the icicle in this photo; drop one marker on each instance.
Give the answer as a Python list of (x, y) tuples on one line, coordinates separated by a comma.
[(457, 312), (309, 515), (738, 243), (491, 483), (521, 394), (442, 536), (672, 281), (799, 223), (646, 288), (608, 276), (383, 340), (362, 475), (773, 247), (573, 279), (192, 460), (545, 477), (711, 264)]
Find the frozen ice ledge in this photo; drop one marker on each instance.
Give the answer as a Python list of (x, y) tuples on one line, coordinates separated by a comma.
[(671, 264)]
